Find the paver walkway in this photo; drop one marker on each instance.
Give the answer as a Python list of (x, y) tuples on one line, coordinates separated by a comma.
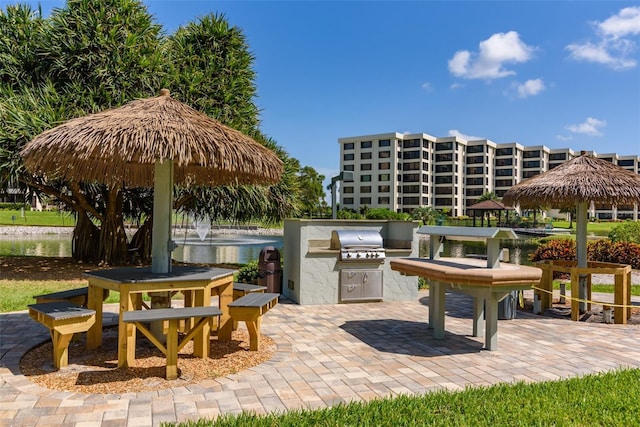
[(327, 355)]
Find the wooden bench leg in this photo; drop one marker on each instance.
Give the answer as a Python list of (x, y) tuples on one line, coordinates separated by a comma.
[(60, 349), (253, 326), (172, 350)]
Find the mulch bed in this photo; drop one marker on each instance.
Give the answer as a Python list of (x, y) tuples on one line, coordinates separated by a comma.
[(96, 371)]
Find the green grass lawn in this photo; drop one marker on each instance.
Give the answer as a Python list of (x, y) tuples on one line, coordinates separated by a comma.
[(35, 218), (601, 228), (611, 399)]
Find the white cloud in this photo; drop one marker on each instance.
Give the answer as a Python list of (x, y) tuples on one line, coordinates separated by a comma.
[(590, 127), (625, 23), (427, 87), (614, 47), (531, 88), (455, 132), (455, 86), (494, 53)]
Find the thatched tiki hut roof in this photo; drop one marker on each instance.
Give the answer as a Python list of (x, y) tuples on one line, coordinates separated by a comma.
[(152, 142), (577, 182), (121, 145), (582, 179)]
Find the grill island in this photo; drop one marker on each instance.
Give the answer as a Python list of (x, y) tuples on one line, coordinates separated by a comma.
[(340, 261), (487, 281)]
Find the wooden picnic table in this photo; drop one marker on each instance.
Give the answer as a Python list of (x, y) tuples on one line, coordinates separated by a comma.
[(197, 283)]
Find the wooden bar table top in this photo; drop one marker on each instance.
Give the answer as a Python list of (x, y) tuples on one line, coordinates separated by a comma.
[(198, 283)]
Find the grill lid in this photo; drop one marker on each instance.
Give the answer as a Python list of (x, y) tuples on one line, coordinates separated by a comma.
[(345, 239)]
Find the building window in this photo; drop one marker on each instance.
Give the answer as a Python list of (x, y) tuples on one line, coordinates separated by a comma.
[(411, 200), (411, 177), (365, 156), (347, 157), (475, 181), (475, 149), (348, 167), (347, 190), (411, 189), (504, 182), (504, 151), (558, 156), (383, 200), (444, 157), (626, 162), (530, 154), (365, 167), (411, 143), (384, 143), (365, 200), (444, 179), (413, 166), (425, 143), (384, 165), (442, 146), (474, 192), (384, 188), (348, 146), (365, 189), (443, 168), (504, 162), (384, 177), (444, 190), (504, 172), (365, 178), (475, 171), (531, 164), (366, 144), (443, 201), (529, 174), (347, 200), (384, 154), (425, 177), (411, 155)]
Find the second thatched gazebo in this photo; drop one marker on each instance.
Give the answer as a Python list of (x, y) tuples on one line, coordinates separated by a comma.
[(578, 182)]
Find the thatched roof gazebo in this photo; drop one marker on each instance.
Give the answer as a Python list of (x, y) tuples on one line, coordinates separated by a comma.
[(152, 142), (489, 206), (578, 182)]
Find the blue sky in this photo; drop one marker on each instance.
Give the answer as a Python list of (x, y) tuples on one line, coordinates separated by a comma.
[(554, 73)]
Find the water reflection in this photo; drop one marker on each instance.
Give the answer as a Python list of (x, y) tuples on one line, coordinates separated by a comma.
[(216, 248), (519, 250)]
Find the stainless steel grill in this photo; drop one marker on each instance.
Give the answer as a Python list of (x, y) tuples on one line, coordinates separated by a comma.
[(358, 245)]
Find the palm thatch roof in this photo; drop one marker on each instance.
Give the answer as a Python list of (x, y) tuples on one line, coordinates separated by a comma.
[(120, 147), (489, 205), (581, 179)]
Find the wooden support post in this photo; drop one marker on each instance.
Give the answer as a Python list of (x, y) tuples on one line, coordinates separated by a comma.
[(575, 294), (620, 298)]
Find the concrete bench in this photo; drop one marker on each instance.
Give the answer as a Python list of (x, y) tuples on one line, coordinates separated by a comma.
[(173, 316), (250, 309), (76, 296), (242, 289), (63, 319)]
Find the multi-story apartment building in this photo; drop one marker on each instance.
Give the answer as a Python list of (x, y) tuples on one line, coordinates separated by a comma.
[(404, 171)]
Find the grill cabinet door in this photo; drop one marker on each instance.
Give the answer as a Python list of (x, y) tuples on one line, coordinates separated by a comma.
[(360, 285)]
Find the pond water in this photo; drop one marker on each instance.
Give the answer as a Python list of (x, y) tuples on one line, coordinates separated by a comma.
[(236, 249), (216, 248)]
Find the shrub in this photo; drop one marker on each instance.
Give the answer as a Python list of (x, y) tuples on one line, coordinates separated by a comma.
[(626, 232), (248, 273), (603, 250), (555, 249)]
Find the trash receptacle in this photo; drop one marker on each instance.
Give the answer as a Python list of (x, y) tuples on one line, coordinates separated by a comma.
[(508, 306), (269, 269)]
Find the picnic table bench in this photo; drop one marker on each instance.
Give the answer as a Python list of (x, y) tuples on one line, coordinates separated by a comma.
[(63, 319), (76, 296), (173, 316), (250, 309)]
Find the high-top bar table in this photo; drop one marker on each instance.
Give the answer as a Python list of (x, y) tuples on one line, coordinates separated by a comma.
[(487, 281), (197, 283)]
